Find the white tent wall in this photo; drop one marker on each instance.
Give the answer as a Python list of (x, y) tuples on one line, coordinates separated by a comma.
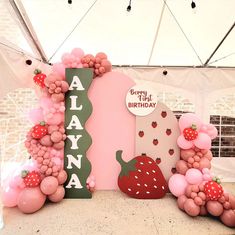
[(203, 87)]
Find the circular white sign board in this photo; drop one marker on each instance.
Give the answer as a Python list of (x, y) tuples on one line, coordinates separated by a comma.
[(141, 100)]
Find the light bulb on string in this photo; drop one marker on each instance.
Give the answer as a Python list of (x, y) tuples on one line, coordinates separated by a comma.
[(129, 6)]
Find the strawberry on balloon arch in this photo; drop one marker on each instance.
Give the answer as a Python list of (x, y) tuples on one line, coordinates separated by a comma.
[(194, 133)]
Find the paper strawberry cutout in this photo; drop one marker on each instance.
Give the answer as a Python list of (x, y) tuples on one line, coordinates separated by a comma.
[(141, 178), (154, 124), (39, 78), (190, 133), (168, 131), (155, 141), (39, 130), (164, 114), (213, 190), (31, 179)]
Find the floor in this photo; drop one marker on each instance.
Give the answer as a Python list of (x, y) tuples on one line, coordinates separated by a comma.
[(111, 212)]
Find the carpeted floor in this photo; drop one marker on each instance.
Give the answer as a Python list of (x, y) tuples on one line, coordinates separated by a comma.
[(111, 212)]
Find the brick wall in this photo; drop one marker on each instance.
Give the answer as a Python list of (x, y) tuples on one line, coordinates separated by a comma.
[(14, 123)]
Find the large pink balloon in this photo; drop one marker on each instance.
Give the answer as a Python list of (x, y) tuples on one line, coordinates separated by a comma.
[(193, 176), (228, 218), (31, 200), (191, 208), (203, 141), (177, 185), (111, 127), (10, 196), (59, 68), (183, 143), (58, 195), (49, 185), (186, 120), (186, 154), (78, 52), (36, 115), (214, 208)]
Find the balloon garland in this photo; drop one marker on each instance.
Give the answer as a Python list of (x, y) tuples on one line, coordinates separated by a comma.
[(42, 177), (198, 192)]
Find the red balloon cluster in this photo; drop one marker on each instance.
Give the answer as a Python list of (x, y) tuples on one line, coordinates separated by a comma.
[(99, 63), (193, 158)]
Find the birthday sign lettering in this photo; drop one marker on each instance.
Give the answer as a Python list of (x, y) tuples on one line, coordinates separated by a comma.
[(78, 110)]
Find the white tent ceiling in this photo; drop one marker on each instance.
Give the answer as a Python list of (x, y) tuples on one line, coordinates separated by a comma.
[(176, 34)]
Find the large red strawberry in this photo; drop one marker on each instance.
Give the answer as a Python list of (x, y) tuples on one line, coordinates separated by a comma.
[(213, 190), (141, 178), (39, 78), (190, 133), (31, 179), (39, 130)]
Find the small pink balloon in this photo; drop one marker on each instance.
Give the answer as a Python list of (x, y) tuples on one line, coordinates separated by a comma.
[(31, 200), (194, 176), (180, 201), (203, 141), (177, 184), (204, 163), (52, 128), (36, 115), (191, 208), (208, 155), (232, 201), (58, 195), (59, 68), (203, 210), (181, 167), (186, 154), (56, 136), (56, 119), (10, 196), (78, 52), (46, 141), (188, 191), (214, 208), (59, 145), (64, 86), (228, 218), (62, 177), (101, 55), (183, 143), (57, 97), (49, 185)]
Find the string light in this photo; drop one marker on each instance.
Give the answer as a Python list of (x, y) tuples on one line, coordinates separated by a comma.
[(129, 6), (70, 2), (193, 4)]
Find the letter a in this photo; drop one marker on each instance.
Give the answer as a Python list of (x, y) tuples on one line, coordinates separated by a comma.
[(76, 83), (74, 181), (75, 123)]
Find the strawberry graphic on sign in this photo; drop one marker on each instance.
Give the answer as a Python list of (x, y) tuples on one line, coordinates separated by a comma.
[(141, 178)]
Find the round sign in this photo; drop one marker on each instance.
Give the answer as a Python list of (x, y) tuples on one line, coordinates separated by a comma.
[(141, 100)]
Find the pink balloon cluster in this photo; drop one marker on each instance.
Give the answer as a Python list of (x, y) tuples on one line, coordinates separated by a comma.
[(190, 184), (205, 132), (194, 203), (77, 59), (99, 63), (90, 183), (193, 158), (31, 199)]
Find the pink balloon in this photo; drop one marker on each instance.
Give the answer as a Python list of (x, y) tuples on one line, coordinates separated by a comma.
[(177, 184), (193, 176), (78, 52), (62, 177), (180, 201), (191, 208), (228, 218), (36, 115), (183, 143), (186, 154), (59, 68), (45, 103), (10, 196), (181, 167), (57, 97), (56, 136), (203, 141), (203, 210), (31, 200), (58, 195), (49, 185), (214, 208), (56, 119), (16, 182), (46, 141), (186, 120), (232, 201), (210, 130), (204, 163)]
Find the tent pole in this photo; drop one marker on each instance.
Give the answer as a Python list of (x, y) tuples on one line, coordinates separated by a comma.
[(28, 28), (157, 31), (171, 66), (221, 42)]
